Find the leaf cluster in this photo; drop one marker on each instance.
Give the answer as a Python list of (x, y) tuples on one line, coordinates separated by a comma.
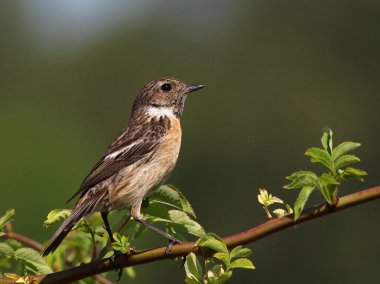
[(219, 267), (17, 259), (335, 160)]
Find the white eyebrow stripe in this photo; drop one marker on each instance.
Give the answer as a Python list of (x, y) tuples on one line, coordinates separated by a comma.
[(122, 150), (160, 111)]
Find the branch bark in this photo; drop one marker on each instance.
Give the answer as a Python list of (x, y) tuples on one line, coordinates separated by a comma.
[(248, 236)]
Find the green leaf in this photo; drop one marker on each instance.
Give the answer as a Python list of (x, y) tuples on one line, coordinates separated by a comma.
[(190, 279), (180, 218), (301, 200), (13, 244), (33, 261), (215, 269), (158, 211), (327, 141), (279, 212), (320, 156), (6, 250), (213, 242), (346, 160), (225, 258), (130, 272), (6, 217), (121, 243), (242, 263), (326, 180), (56, 215), (240, 251), (327, 194), (193, 269), (301, 179), (353, 173), (134, 230), (344, 148), (223, 277), (171, 196)]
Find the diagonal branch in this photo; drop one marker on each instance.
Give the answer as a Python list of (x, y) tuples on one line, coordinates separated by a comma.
[(251, 235)]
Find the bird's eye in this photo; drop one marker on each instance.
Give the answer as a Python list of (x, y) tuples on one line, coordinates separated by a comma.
[(166, 87)]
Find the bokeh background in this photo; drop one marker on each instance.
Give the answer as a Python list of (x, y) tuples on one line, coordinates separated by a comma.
[(277, 73)]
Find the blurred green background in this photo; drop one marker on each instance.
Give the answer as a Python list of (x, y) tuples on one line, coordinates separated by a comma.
[(277, 73)]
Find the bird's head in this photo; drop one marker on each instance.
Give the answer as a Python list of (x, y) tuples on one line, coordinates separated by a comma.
[(166, 94)]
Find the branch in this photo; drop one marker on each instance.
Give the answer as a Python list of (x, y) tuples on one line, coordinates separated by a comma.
[(251, 235), (22, 239), (141, 257)]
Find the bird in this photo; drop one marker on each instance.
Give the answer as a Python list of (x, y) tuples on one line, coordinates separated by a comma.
[(137, 161)]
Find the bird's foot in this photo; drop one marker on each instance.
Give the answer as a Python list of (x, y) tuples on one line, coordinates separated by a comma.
[(113, 262), (172, 241)]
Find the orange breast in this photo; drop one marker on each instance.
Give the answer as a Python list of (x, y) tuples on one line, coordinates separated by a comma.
[(139, 179)]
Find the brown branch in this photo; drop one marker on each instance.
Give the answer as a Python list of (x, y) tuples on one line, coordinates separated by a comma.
[(22, 239), (251, 235)]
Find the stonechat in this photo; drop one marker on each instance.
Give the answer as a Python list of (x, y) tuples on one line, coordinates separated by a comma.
[(138, 160)]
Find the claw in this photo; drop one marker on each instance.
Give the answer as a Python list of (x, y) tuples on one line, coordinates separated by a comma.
[(170, 245), (113, 262)]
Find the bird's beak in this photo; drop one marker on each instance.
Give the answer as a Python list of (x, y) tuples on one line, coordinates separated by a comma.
[(193, 88)]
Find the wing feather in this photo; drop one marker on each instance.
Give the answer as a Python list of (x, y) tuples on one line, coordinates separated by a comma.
[(130, 146)]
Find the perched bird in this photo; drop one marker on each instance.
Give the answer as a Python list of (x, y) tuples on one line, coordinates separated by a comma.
[(139, 159)]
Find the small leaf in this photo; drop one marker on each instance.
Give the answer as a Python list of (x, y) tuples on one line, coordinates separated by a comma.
[(184, 221), (353, 173), (6, 250), (13, 244), (130, 272), (213, 242), (327, 194), (134, 230), (56, 215), (327, 140), (301, 179), (344, 148), (326, 180), (225, 258), (190, 279), (242, 263), (193, 269), (240, 251), (158, 211), (346, 160), (223, 277), (6, 217), (320, 156), (289, 209), (171, 196), (279, 212), (121, 243), (267, 199), (34, 263), (301, 200)]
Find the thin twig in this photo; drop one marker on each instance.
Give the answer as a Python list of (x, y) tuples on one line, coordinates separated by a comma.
[(251, 235), (22, 239)]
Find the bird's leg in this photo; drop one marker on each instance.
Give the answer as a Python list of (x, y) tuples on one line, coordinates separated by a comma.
[(116, 252), (135, 213), (159, 231), (107, 225)]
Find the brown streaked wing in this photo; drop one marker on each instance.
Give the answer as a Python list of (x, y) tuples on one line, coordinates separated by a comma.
[(106, 168)]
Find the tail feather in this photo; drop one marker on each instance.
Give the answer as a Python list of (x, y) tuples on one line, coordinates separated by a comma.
[(68, 224)]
